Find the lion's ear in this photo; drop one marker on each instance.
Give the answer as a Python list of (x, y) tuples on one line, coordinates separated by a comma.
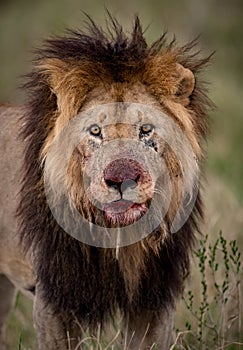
[(185, 83)]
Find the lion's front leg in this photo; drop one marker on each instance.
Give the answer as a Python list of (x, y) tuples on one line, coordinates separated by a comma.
[(147, 329), (54, 332)]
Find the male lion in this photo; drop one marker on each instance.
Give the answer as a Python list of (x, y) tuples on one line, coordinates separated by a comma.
[(99, 192)]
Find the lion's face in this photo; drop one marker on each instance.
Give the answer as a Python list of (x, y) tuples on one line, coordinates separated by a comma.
[(124, 159), (119, 184), (119, 156), (131, 147)]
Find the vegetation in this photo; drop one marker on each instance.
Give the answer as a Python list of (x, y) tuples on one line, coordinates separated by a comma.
[(214, 318)]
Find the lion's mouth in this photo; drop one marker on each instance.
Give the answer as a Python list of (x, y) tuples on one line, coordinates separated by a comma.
[(123, 212)]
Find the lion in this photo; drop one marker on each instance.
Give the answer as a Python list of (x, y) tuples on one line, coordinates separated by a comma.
[(100, 191)]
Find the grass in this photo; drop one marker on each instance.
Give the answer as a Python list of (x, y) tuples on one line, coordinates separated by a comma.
[(20, 331), (214, 318)]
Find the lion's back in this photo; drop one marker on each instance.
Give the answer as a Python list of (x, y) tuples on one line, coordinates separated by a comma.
[(11, 155)]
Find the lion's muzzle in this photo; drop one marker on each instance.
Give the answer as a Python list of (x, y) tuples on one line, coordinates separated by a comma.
[(128, 178)]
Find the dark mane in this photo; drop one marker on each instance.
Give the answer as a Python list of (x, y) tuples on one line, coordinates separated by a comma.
[(77, 278)]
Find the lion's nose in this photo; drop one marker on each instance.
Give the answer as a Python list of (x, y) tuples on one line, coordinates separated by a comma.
[(122, 174), (124, 185)]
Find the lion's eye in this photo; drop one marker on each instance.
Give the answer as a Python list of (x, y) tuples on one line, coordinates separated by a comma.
[(95, 130), (146, 129)]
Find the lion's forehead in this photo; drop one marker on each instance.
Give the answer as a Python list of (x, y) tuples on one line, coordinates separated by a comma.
[(118, 113), (123, 92), (119, 104)]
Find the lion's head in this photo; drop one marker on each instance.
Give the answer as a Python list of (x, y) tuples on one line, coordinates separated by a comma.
[(117, 89), (114, 133)]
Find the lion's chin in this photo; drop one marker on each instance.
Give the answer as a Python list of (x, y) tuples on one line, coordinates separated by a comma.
[(123, 213)]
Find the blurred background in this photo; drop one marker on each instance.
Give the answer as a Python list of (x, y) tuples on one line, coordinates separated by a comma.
[(25, 23)]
